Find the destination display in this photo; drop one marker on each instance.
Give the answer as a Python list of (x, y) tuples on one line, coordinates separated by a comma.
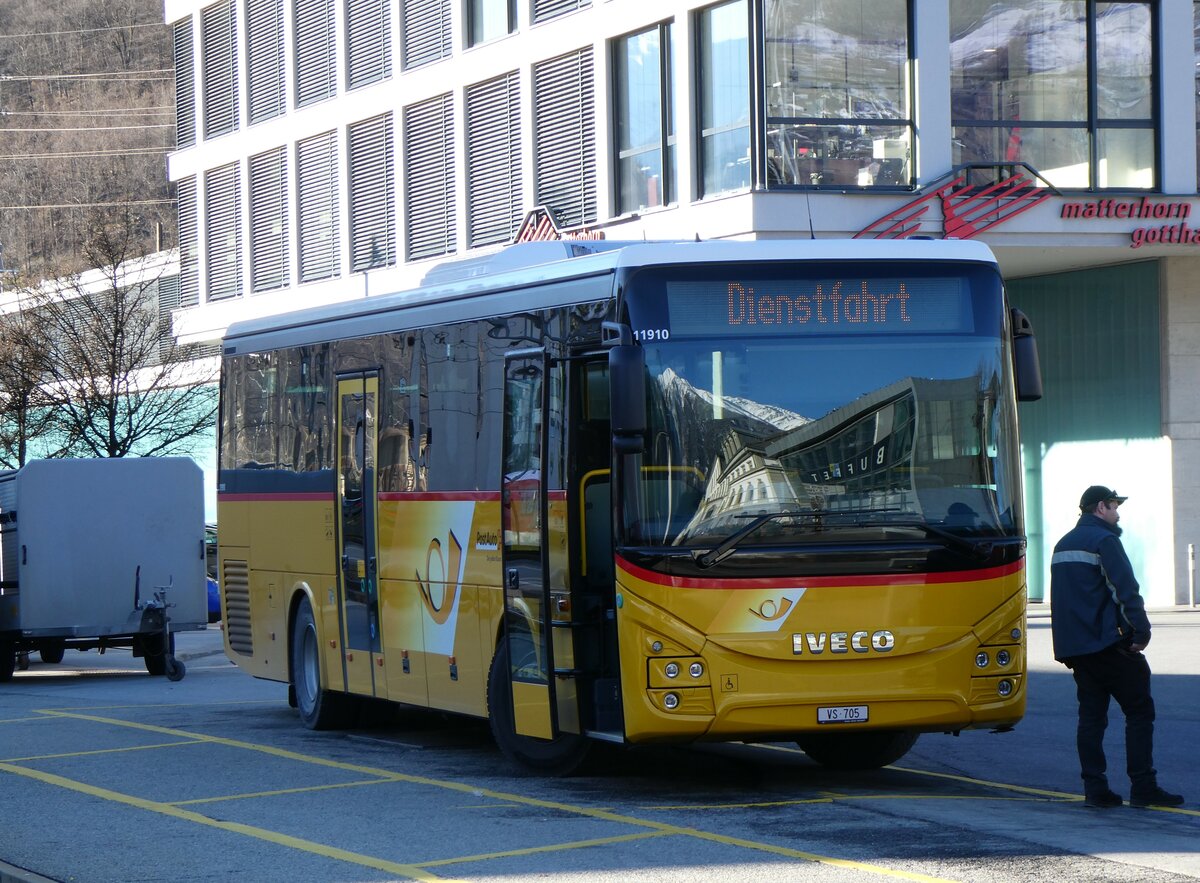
[(747, 307)]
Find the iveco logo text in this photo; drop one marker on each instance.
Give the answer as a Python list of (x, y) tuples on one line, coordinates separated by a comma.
[(843, 642)]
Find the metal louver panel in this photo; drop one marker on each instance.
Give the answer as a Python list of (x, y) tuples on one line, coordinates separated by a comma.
[(316, 183), (218, 56), (368, 42), (189, 243), (429, 204), (425, 31), (493, 160), (168, 302), (223, 231), (268, 220), (264, 60), (185, 84), (235, 599), (316, 51), (548, 9), (564, 137), (372, 194)]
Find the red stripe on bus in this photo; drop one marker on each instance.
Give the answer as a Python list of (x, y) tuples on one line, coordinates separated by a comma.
[(885, 579), (276, 498), (476, 496)]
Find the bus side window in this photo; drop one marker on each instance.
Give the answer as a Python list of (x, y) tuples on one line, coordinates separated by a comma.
[(592, 447)]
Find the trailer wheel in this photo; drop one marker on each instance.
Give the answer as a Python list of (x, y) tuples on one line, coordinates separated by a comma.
[(561, 756), (320, 709), (174, 668), (8, 660), (868, 750), (52, 652), (154, 654)]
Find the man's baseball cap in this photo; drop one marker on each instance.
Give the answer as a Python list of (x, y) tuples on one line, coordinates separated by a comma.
[(1098, 493)]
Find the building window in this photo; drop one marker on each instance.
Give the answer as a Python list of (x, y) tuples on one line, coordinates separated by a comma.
[(544, 10), (424, 32), (1065, 86), (490, 19), (317, 207), (372, 194), (724, 97), (189, 243), (316, 51), (185, 85), (218, 25), (645, 114), (838, 94), (493, 142), (564, 137), (265, 91), (429, 207), (368, 42), (268, 220), (223, 231)]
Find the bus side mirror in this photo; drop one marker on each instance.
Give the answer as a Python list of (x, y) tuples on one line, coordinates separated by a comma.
[(1026, 364), (627, 389)]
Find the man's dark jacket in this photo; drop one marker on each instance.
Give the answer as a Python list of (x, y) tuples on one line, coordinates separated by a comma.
[(1094, 597)]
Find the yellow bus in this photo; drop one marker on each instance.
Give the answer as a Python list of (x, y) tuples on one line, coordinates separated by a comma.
[(640, 492)]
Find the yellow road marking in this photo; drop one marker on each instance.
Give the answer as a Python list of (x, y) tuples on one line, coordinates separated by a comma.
[(534, 850), (600, 814), (411, 872), (33, 757), (278, 792)]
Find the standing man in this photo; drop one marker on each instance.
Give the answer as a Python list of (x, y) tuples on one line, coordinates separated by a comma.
[(1100, 628)]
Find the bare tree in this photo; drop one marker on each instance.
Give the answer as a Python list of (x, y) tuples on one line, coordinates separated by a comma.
[(123, 387), (28, 408)]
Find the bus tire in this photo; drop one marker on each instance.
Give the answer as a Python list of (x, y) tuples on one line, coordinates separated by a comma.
[(319, 709), (867, 750), (561, 756), (52, 652)]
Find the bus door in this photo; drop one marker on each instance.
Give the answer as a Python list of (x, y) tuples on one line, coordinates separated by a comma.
[(537, 603), (358, 586)]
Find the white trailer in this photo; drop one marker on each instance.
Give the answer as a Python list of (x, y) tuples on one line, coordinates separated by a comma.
[(97, 554)]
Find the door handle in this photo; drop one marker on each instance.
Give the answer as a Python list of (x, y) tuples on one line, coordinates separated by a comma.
[(513, 578)]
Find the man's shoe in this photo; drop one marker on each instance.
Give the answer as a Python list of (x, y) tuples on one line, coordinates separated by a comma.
[(1103, 799), (1156, 797)]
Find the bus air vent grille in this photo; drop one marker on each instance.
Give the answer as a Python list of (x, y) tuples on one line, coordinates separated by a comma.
[(236, 585)]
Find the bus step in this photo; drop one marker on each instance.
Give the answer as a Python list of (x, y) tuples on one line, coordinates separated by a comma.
[(605, 736)]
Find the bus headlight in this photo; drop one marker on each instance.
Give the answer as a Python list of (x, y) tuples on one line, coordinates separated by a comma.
[(1004, 688), (1003, 657), (671, 670), (671, 701), (696, 669), (982, 659)]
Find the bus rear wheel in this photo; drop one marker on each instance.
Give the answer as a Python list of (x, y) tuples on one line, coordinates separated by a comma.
[(857, 751), (319, 709), (53, 651), (560, 756)]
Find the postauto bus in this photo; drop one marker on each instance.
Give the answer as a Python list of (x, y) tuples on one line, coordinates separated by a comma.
[(641, 492)]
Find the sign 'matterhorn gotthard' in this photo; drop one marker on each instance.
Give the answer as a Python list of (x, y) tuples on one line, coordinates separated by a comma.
[(1175, 230)]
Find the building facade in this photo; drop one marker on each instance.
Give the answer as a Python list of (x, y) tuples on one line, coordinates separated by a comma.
[(335, 149)]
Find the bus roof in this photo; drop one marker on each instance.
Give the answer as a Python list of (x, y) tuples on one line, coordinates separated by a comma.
[(541, 275)]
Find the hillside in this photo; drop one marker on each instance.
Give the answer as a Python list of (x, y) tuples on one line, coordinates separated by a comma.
[(86, 119)]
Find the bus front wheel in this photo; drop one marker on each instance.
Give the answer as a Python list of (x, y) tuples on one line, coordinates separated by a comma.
[(319, 709), (561, 756), (857, 751)]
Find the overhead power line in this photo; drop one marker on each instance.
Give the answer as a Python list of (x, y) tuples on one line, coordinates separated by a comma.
[(85, 153), (160, 110), (100, 75), (93, 128), (80, 31), (85, 204)]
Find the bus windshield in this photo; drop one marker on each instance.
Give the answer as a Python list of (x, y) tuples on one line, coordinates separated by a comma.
[(793, 404)]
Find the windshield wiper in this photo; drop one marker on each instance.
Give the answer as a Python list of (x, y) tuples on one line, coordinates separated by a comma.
[(728, 546)]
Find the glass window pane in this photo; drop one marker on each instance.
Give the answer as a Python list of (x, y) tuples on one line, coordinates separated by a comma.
[(854, 156), (832, 59), (1018, 60), (1059, 154), (1125, 158), (643, 104), (725, 97), (489, 20), (1124, 57)]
